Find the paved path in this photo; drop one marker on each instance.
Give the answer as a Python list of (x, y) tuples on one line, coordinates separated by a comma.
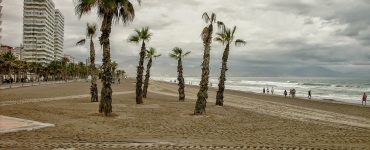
[(18, 85), (11, 124), (14, 102)]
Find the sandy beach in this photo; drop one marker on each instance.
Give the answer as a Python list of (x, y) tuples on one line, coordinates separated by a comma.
[(247, 121)]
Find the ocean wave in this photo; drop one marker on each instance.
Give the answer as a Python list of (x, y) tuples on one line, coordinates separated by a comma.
[(316, 84)]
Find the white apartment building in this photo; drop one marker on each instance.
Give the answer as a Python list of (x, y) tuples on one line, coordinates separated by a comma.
[(58, 35), (40, 26)]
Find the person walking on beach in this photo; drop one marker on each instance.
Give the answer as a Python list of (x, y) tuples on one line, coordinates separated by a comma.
[(364, 98), (285, 93), (264, 91), (268, 91), (272, 90), (309, 94)]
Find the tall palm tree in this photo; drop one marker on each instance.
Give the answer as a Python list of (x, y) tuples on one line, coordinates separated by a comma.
[(143, 35), (177, 53), (200, 106), (225, 37), (150, 54), (90, 34), (110, 11)]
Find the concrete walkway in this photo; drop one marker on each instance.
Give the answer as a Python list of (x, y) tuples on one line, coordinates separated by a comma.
[(11, 124)]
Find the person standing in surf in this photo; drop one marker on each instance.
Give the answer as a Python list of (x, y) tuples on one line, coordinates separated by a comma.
[(272, 90), (364, 99), (285, 93), (309, 94)]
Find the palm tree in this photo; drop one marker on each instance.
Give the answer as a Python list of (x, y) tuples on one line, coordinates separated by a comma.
[(8, 64), (114, 66), (90, 34), (143, 35), (150, 54), (177, 53), (200, 106), (109, 10), (225, 37)]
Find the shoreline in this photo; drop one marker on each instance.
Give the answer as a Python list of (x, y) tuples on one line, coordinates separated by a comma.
[(277, 95)]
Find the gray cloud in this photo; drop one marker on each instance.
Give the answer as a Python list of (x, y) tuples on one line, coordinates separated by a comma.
[(282, 35)]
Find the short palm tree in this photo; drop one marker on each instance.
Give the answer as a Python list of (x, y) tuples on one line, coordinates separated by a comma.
[(177, 53), (90, 34), (143, 35), (114, 66), (225, 37), (200, 106), (150, 54), (111, 11), (8, 64)]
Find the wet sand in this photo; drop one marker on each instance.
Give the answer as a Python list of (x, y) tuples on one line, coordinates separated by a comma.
[(247, 121)]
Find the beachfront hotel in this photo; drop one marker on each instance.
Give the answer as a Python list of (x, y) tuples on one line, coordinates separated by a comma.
[(43, 31)]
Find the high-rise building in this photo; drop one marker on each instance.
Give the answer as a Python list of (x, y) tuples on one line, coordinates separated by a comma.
[(42, 31), (58, 35)]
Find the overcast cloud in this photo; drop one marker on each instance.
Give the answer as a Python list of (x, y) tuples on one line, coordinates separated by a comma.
[(326, 36)]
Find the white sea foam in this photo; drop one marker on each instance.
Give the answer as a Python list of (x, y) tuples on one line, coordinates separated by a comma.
[(339, 89)]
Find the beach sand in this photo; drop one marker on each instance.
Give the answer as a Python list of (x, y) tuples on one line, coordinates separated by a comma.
[(247, 121)]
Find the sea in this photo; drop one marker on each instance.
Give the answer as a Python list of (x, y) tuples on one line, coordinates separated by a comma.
[(349, 90)]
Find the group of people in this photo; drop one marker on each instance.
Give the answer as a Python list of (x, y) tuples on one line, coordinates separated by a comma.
[(292, 93), (268, 90)]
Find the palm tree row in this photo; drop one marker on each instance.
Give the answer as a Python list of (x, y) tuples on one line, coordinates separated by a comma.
[(206, 35), (55, 70), (225, 37), (114, 10)]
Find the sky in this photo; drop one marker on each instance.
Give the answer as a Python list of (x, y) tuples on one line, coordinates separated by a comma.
[(284, 37)]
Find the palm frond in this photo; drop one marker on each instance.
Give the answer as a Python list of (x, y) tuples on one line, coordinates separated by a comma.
[(219, 39), (85, 6), (127, 12), (240, 42), (134, 39), (90, 29), (186, 54), (234, 29), (81, 42), (174, 56), (156, 56), (213, 18), (206, 17), (221, 25)]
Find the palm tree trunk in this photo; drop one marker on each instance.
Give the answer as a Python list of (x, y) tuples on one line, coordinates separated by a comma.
[(139, 78), (221, 84), (181, 80), (147, 76), (106, 92), (94, 87), (200, 107)]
